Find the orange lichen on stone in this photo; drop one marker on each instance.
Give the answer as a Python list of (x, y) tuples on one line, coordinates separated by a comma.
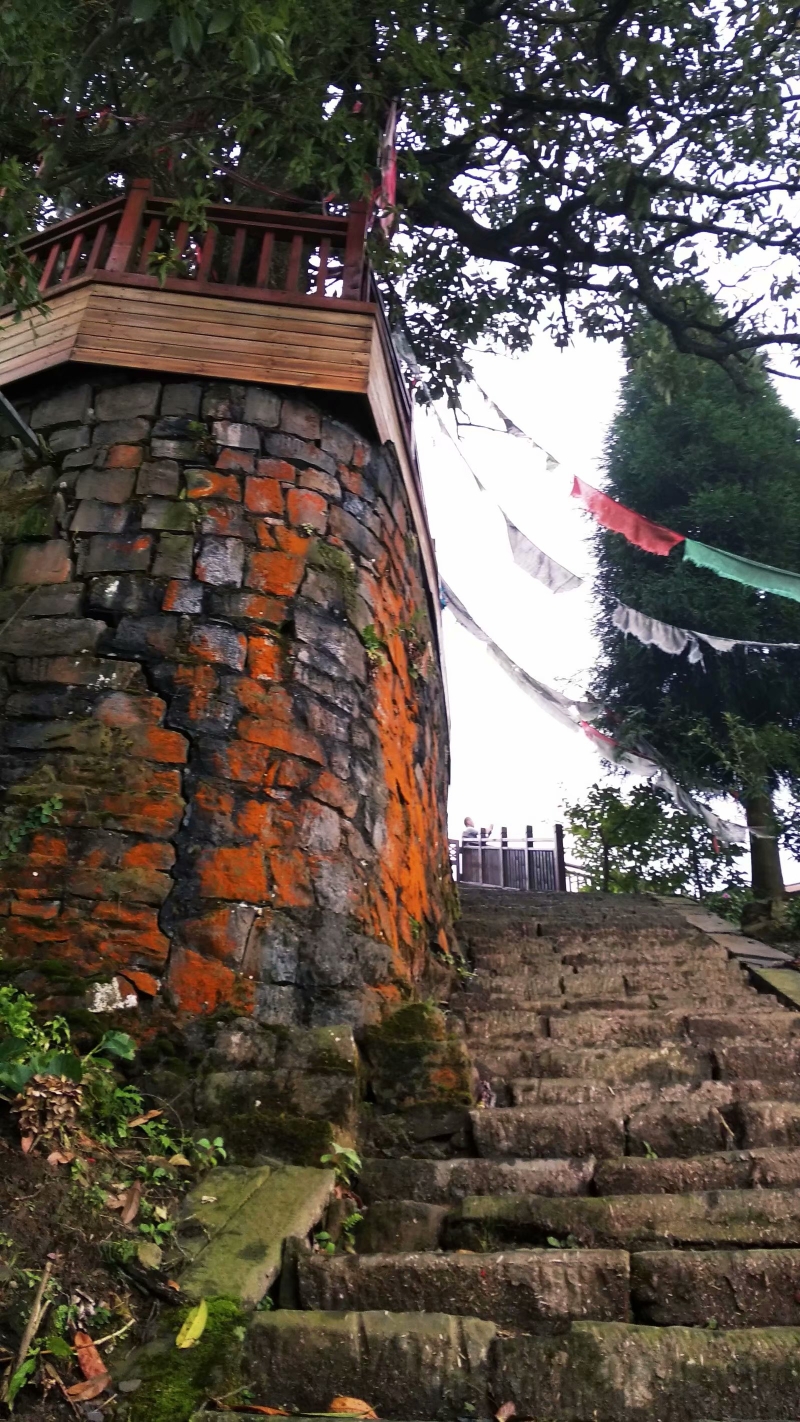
[(232, 874), (200, 985)]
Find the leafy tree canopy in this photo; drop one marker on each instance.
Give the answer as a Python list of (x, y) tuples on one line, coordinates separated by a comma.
[(723, 466), (576, 156), (628, 844)]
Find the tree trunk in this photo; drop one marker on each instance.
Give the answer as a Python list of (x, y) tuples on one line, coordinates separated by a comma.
[(765, 859)]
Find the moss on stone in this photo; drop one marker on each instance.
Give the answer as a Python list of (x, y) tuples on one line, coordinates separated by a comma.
[(413, 1061), (299, 1140), (174, 1382)]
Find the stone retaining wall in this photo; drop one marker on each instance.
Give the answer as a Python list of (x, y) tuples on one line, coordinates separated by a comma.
[(219, 656)]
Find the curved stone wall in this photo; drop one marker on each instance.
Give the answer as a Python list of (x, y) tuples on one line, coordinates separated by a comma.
[(217, 651)]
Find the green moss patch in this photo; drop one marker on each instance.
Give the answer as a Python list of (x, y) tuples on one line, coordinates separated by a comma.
[(176, 1381)]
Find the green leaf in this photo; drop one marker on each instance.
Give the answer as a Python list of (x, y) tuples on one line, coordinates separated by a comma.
[(195, 32), (11, 1048), (194, 1324), (144, 9), (59, 1064), (219, 22), (15, 1076), (59, 1347), (118, 1044), (19, 1378), (178, 36), (251, 55)]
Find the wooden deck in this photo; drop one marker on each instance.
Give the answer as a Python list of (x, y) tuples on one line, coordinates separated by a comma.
[(277, 298)]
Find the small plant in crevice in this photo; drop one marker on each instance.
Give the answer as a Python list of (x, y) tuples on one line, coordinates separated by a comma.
[(649, 1153), (414, 632), (346, 1163), (349, 1226), (374, 646), (204, 441)]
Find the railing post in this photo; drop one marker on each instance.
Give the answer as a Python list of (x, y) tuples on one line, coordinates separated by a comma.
[(530, 872), (561, 867), (503, 856), (130, 225), (354, 251)]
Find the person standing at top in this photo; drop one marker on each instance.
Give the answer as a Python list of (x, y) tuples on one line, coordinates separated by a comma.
[(470, 834)]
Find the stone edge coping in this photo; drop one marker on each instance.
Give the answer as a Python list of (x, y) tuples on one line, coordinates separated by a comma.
[(767, 966)]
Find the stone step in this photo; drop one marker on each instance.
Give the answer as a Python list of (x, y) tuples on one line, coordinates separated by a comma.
[(622, 1029), (754, 1288), (768, 1123), (551, 1090), (724, 1170), (430, 1366), (756, 1060), (616, 1372), (444, 1182), (540, 1132), (739, 1219), (607, 1127), (619, 1066), (537, 1290)]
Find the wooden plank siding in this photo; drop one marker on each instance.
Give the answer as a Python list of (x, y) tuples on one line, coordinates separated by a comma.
[(40, 340)]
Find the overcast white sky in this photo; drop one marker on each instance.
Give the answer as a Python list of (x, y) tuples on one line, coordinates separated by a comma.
[(511, 763)]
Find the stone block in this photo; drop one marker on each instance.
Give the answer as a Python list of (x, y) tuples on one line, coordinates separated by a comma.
[(320, 482), (132, 432), (221, 562), (276, 573), (445, 1182), (49, 600), (62, 441), (82, 671), (404, 1364), (307, 509), (344, 526), (181, 398), (749, 1288), (174, 555), (300, 419), (117, 555), (182, 596), (122, 402), (401, 1227), (234, 1223), (413, 1060), (171, 515), (218, 644), (50, 636), (94, 517), (109, 486), (34, 563), (161, 476), (173, 448), (337, 440), (242, 460), (70, 407), (339, 644), (262, 407), (127, 594), (224, 402), (226, 520), (237, 874), (680, 1128), (237, 436), (535, 1290), (78, 459), (147, 636), (174, 427), (263, 496), (290, 447), (628, 1373), (124, 456), (212, 484)]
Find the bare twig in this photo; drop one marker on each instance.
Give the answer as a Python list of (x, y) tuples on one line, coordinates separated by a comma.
[(37, 1313)]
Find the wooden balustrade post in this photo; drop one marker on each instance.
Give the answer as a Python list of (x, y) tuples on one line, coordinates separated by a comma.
[(561, 867), (503, 856), (355, 251), (530, 871), (130, 226)]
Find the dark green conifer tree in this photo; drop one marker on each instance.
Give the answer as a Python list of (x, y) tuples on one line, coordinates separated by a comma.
[(720, 464)]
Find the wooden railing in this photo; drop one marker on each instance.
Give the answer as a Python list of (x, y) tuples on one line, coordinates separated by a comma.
[(243, 252), (502, 863)]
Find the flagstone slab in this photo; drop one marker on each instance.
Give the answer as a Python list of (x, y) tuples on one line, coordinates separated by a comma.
[(234, 1223)]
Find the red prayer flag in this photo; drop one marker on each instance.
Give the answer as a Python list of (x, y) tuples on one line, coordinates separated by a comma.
[(638, 530)]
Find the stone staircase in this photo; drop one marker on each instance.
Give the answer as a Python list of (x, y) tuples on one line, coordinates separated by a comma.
[(620, 1240)]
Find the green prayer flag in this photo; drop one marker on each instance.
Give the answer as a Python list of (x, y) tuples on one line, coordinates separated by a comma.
[(743, 570)]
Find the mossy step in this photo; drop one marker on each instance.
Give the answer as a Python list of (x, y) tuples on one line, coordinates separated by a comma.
[(437, 1366), (616, 1372), (739, 1219), (536, 1290), (751, 1288), (404, 1364), (770, 1169), (445, 1182)]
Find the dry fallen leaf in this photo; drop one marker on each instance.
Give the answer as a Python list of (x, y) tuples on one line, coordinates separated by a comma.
[(132, 1201), (354, 1407), (505, 1412), (142, 1120), (89, 1360), (61, 1157), (91, 1388), (252, 1407), (179, 1160), (26, 1144)]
